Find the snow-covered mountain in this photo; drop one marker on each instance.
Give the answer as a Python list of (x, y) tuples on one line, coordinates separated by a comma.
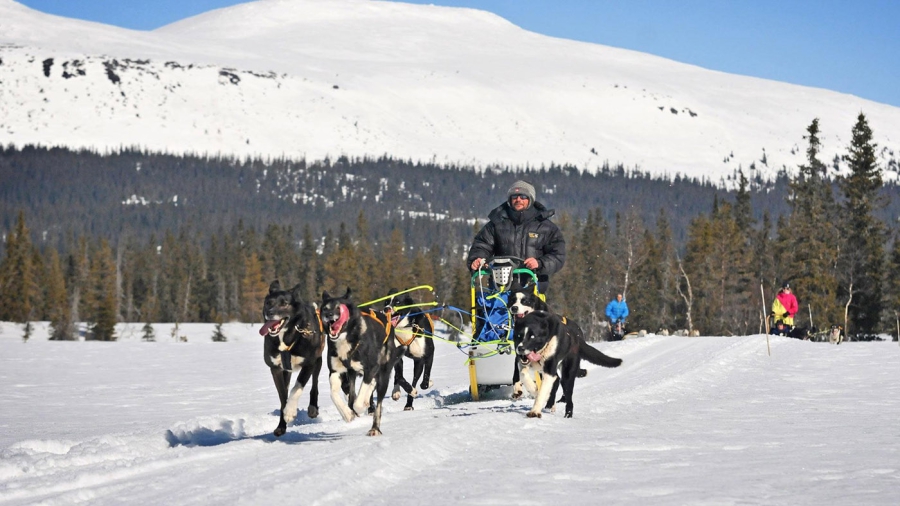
[(317, 78)]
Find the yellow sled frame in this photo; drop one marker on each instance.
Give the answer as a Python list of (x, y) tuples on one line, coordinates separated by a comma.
[(500, 344)]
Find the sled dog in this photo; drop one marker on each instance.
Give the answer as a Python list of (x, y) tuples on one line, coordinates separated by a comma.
[(414, 331), (521, 302), (293, 341), (360, 344), (836, 334), (547, 345)]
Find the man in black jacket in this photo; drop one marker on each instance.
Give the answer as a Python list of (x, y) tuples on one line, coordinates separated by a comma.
[(521, 227)]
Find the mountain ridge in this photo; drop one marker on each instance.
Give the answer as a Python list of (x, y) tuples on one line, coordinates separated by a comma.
[(312, 79)]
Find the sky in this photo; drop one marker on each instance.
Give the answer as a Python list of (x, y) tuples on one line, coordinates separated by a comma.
[(703, 420), (850, 47)]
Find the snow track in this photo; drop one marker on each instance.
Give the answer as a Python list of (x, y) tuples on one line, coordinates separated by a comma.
[(711, 420)]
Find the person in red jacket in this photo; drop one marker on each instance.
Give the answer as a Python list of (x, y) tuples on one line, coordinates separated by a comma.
[(784, 307)]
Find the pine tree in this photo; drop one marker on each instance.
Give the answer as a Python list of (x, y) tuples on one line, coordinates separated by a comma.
[(57, 300), (17, 275), (253, 289), (148, 333), (862, 259), (811, 268), (218, 336), (308, 265), (78, 273), (369, 271), (342, 269), (718, 262), (893, 287), (103, 288), (397, 273)]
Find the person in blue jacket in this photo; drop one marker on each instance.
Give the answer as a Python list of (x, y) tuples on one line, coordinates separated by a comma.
[(617, 311)]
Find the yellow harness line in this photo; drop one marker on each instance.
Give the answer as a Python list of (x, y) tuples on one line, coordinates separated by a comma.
[(386, 297), (421, 304)]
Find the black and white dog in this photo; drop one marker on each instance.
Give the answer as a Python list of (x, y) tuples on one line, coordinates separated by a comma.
[(545, 344), (414, 331), (293, 340), (522, 300), (360, 344)]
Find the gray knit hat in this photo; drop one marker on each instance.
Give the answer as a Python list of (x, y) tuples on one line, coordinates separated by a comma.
[(521, 188)]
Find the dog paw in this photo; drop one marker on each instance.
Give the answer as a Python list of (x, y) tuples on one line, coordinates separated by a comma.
[(568, 414), (517, 391), (373, 432), (429, 385), (280, 430), (408, 408), (360, 407), (312, 411), (396, 393), (413, 393), (290, 415), (532, 414)]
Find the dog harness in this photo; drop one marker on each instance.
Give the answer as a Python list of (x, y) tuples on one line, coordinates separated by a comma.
[(386, 324)]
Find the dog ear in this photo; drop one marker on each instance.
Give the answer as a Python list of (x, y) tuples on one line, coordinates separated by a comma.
[(347, 295), (297, 292), (325, 296), (275, 286)]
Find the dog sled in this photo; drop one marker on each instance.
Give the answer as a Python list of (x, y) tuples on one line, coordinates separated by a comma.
[(488, 346), (491, 357)]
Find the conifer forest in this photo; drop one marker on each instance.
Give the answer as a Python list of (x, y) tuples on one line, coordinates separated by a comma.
[(148, 237)]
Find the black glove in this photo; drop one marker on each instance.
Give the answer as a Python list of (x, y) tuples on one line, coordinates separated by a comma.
[(786, 315)]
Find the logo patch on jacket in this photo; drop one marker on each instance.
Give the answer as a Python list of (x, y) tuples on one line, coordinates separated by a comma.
[(532, 235)]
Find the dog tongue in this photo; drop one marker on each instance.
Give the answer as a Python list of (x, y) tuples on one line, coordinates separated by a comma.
[(266, 326), (534, 356), (342, 319)]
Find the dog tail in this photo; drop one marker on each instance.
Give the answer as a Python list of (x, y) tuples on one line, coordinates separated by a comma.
[(596, 357)]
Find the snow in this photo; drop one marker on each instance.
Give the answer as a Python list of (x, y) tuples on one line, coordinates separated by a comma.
[(317, 78), (708, 420)]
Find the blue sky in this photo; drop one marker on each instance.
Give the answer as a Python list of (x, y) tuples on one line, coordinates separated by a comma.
[(851, 46)]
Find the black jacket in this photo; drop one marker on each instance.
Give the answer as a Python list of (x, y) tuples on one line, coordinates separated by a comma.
[(525, 234)]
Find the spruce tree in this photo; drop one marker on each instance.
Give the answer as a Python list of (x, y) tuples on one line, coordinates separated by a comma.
[(369, 271), (57, 300), (862, 257), (811, 269), (17, 275), (103, 288), (308, 265), (149, 334), (892, 297), (253, 290), (218, 336)]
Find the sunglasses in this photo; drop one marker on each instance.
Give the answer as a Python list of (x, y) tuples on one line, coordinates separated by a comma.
[(519, 197)]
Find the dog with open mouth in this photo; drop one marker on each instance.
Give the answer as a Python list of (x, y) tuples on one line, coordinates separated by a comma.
[(545, 344), (523, 300), (293, 340), (361, 344)]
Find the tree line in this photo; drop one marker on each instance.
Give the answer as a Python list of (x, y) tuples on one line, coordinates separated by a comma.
[(830, 243)]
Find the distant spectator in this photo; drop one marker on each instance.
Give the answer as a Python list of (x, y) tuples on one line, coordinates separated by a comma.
[(784, 307), (617, 310)]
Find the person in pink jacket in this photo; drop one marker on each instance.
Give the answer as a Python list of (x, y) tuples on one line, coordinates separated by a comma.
[(784, 307)]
